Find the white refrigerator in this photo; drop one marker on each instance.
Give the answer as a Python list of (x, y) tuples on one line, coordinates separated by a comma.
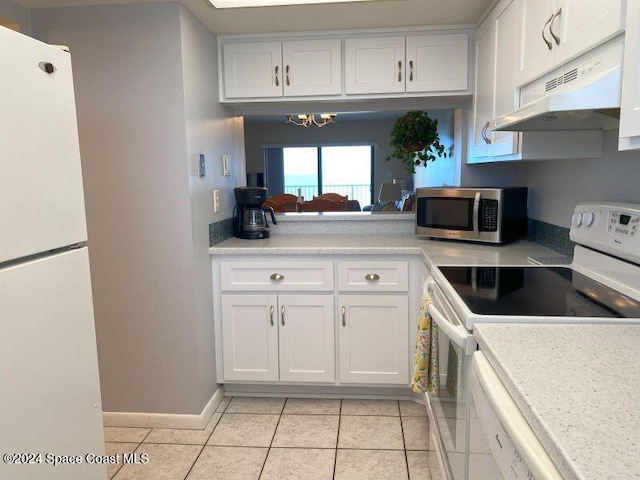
[(50, 408)]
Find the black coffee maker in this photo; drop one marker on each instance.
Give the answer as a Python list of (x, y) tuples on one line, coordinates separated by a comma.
[(249, 218)]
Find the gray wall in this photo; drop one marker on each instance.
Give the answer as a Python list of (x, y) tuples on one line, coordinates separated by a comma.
[(213, 132), (556, 186), (13, 13), (143, 115)]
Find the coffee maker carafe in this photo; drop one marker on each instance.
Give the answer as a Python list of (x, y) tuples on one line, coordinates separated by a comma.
[(249, 218)]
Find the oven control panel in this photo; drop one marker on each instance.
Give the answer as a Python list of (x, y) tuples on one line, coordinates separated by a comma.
[(612, 228)]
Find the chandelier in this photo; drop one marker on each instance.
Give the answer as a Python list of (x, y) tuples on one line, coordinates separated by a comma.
[(308, 119)]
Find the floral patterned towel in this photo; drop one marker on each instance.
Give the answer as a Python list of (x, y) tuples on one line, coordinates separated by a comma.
[(426, 376)]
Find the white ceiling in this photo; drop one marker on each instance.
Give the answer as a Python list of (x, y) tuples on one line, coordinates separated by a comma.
[(337, 16)]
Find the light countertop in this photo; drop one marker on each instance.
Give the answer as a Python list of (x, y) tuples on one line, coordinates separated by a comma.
[(435, 252), (577, 385)]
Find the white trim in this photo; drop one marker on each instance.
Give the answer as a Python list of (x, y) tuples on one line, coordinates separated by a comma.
[(165, 420)]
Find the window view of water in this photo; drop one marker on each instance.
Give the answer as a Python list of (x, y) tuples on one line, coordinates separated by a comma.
[(344, 169)]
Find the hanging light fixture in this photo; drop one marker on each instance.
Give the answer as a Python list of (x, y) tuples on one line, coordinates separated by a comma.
[(308, 119)]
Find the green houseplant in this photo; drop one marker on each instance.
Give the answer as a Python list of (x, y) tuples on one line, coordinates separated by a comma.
[(415, 140)]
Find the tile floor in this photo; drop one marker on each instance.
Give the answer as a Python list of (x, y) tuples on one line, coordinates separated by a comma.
[(286, 439)]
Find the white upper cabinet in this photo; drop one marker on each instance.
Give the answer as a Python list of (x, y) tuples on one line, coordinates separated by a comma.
[(496, 94), (483, 97), (274, 69), (319, 67), (629, 132), (374, 65), (421, 63), (555, 31), (312, 67), (437, 63), (252, 69)]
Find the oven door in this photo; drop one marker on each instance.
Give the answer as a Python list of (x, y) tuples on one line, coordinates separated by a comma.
[(449, 411)]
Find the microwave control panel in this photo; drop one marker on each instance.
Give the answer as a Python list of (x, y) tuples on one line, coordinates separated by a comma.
[(489, 215)]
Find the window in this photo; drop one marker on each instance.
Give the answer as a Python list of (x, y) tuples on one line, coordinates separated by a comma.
[(346, 170)]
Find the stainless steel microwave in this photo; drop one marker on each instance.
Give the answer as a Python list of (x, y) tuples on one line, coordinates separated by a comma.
[(491, 215)]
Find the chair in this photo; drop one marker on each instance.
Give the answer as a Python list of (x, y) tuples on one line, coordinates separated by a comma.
[(353, 206), (322, 205), (336, 197), (283, 202)]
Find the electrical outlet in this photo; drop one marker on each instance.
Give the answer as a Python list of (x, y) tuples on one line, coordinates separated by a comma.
[(201, 166), (226, 165), (216, 201)]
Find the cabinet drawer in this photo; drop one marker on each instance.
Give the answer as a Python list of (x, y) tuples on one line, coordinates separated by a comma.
[(275, 276), (373, 276)]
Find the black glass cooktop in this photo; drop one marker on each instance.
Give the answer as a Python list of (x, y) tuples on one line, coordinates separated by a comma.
[(537, 291)]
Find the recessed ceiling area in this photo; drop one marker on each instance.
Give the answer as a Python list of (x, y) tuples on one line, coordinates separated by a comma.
[(298, 18)]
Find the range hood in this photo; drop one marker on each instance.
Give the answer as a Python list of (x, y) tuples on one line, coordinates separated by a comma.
[(584, 94)]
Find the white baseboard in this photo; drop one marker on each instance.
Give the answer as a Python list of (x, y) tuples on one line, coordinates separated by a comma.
[(165, 420)]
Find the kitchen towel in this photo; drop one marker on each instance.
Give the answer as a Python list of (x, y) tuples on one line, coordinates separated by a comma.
[(426, 374)]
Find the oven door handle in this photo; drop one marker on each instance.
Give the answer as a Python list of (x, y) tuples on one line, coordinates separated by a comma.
[(457, 333)]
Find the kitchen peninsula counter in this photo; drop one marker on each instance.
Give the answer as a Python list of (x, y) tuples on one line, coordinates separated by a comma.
[(434, 252), (577, 387)]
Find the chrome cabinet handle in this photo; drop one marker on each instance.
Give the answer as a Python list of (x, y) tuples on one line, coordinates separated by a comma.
[(276, 276), (399, 70), (344, 316), (372, 277), (549, 45), (277, 80), (286, 69), (411, 70), (486, 139), (282, 315), (271, 309), (554, 16)]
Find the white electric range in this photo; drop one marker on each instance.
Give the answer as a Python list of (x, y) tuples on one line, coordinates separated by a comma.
[(601, 285)]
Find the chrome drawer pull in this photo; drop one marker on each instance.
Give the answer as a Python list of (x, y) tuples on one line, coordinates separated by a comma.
[(372, 277), (276, 276), (271, 314), (344, 316), (282, 315)]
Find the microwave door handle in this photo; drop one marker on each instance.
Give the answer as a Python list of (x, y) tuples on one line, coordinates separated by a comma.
[(457, 333), (476, 214)]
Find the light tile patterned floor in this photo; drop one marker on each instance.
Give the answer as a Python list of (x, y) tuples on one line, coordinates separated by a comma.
[(286, 439)]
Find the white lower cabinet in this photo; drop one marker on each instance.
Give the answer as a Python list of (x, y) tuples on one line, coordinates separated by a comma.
[(287, 338), (250, 337), (300, 321), (373, 336)]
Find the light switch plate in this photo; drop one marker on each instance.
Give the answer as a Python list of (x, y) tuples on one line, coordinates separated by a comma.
[(201, 166), (216, 201), (226, 165)]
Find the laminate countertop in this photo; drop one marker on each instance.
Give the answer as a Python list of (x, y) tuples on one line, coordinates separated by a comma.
[(435, 252), (577, 386)]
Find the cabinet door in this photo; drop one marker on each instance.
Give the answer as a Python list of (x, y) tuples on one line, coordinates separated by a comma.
[(374, 65), (583, 24), (373, 341), (250, 337), (312, 67), (506, 94), (252, 69), (536, 57), (437, 63), (630, 101), (484, 90), (306, 338)]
